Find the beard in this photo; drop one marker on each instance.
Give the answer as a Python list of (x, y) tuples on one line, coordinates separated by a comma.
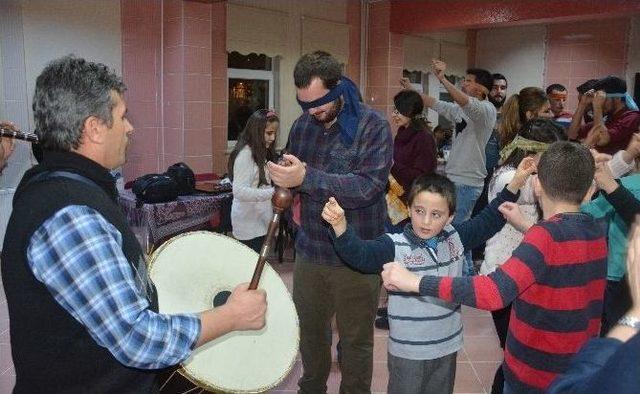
[(331, 114), (497, 101)]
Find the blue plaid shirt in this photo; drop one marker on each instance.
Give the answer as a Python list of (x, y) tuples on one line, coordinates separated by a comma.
[(78, 255), (356, 176)]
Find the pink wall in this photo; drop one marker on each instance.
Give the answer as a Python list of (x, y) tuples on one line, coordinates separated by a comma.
[(576, 52), (187, 84), (384, 59), (141, 71), (174, 64), (219, 91), (420, 16), (353, 19)]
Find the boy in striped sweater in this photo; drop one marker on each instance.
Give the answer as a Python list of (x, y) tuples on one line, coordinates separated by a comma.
[(424, 333), (555, 278)]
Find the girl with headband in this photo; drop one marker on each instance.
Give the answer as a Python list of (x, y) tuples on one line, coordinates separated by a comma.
[(251, 209)]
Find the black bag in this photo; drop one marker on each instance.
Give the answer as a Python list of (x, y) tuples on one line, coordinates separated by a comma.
[(155, 188), (184, 178)]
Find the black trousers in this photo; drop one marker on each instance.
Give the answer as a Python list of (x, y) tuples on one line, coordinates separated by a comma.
[(501, 322)]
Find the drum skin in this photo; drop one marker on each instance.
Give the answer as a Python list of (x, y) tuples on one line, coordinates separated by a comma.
[(188, 271)]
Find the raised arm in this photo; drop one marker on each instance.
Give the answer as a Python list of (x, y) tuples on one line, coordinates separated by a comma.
[(490, 292), (428, 101), (625, 203), (487, 223), (365, 256), (368, 256), (459, 97), (490, 220), (576, 121)]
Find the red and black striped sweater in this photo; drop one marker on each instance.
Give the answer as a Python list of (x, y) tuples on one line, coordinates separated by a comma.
[(555, 280)]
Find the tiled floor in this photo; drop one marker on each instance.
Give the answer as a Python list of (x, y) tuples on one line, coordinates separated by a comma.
[(477, 362)]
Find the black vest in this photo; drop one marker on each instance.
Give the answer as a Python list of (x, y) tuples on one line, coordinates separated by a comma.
[(52, 352)]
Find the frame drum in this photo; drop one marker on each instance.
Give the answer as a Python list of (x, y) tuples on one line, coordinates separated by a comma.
[(188, 271)]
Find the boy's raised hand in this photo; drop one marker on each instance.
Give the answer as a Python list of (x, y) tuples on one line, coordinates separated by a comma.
[(396, 277), (604, 179), (526, 167), (586, 99), (599, 97), (334, 215), (633, 149), (599, 157), (633, 268), (512, 214)]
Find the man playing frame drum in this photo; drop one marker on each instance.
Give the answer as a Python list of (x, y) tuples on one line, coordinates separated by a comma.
[(83, 312)]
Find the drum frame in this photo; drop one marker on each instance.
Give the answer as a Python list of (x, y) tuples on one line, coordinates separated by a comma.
[(181, 369)]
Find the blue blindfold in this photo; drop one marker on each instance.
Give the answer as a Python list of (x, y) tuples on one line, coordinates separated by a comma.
[(349, 116), (631, 104)]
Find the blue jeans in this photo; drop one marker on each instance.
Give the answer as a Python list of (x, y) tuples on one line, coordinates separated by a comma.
[(492, 152), (466, 197)]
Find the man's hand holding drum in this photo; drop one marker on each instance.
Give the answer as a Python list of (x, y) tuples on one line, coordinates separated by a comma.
[(244, 310)]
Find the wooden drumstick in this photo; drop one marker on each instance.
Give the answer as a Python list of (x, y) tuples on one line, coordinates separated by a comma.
[(281, 200)]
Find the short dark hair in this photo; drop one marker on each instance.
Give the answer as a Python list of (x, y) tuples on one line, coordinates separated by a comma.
[(408, 102), (497, 76), (566, 171), (483, 77), (434, 183), (555, 86), (318, 64), (68, 91), (611, 84), (586, 86)]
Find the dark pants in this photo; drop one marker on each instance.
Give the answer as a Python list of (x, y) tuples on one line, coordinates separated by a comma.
[(421, 376), (617, 301), (319, 292), (501, 321), (254, 243)]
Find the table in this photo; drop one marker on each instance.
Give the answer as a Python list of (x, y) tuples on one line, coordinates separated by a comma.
[(155, 223)]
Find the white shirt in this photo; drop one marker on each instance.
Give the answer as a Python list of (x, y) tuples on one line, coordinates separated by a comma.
[(251, 210), (500, 247)]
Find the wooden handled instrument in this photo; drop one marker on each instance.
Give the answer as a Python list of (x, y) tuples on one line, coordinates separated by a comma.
[(281, 200)]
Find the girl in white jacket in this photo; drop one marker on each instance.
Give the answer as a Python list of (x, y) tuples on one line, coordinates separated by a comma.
[(251, 209)]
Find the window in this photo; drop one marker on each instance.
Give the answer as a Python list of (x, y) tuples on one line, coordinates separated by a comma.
[(251, 87)]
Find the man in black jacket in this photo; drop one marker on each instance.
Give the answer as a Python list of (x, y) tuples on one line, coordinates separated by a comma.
[(83, 313)]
